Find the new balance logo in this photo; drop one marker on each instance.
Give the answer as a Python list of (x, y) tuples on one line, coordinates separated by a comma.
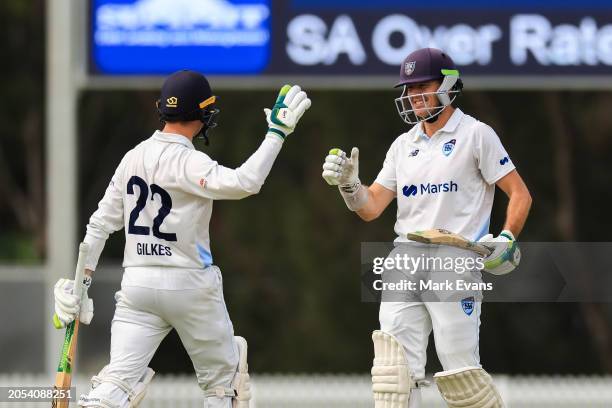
[(430, 188), (504, 160)]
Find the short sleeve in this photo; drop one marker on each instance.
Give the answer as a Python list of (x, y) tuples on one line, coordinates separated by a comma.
[(387, 177), (491, 158)]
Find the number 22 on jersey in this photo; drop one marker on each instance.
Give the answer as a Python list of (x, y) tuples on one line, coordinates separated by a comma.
[(143, 195)]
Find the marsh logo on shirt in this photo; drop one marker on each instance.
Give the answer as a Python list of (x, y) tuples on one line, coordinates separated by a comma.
[(504, 160), (430, 188), (448, 147)]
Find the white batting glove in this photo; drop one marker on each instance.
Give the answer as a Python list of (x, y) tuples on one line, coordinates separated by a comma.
[(506, 254), (338, 170), (68, 305), (290, 105)]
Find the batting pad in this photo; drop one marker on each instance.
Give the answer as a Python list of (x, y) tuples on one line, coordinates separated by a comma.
[(391, 378), (241, 382), (110, 391), (468, 387)]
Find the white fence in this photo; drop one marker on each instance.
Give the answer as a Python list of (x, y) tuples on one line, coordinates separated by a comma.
[(352, 391)]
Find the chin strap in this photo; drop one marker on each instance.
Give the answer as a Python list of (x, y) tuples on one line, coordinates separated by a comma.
[(203, 134), (209, 122), (433, 119)]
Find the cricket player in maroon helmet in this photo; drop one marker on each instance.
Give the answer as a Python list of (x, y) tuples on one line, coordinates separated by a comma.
[(443, 173)]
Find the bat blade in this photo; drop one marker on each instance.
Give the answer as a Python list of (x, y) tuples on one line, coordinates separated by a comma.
[(63, 378), (443, 237)]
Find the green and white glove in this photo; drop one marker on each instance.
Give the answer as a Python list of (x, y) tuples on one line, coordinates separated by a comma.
[(68, 305), (338, 170), (506, 254), (290, 105)]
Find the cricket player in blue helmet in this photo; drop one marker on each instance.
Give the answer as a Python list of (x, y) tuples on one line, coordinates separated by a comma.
[(162, 195)]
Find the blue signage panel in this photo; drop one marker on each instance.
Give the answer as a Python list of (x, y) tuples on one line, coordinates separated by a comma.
[(452, 4), (516, 43), (161, 36), (349, 37)]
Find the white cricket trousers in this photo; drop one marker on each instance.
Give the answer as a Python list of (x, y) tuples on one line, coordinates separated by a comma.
[(144, 316), (454, 316), (455, 332)]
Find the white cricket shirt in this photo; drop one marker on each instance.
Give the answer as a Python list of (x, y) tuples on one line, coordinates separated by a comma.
[(162, 195), (446, 181)]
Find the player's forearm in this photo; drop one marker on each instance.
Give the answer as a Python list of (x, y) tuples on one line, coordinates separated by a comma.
[(370, 211), (517, 212), (250, 176), (367, 201), (355, 195), (98, 230), (363, 202), (96, 239), (255, 170)]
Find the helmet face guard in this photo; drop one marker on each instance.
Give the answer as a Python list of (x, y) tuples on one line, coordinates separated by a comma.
[(209, 119), (445, 95)]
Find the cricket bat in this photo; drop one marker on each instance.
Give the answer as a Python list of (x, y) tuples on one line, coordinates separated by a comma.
[(63, 378), (444, 237)]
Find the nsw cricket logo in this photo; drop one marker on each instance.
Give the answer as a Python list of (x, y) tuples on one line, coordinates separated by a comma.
[(504, 160), (467, 305), (409, 67), (414, 153), (448, 147)]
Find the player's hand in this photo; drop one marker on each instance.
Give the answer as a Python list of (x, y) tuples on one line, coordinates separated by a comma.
[(68, 305), (290, 105), (339, 170), (506, 254)]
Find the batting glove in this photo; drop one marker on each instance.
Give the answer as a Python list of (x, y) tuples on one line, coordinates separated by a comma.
[(506, 254), (68, 305), (290, 105), (338, 170)]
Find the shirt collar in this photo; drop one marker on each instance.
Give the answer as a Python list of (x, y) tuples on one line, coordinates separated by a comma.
[(453, 121), (419, 133), (449, 127), (172, 138)]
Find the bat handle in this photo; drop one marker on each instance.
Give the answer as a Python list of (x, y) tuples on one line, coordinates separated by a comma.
[(78, 280), (489, 248)]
